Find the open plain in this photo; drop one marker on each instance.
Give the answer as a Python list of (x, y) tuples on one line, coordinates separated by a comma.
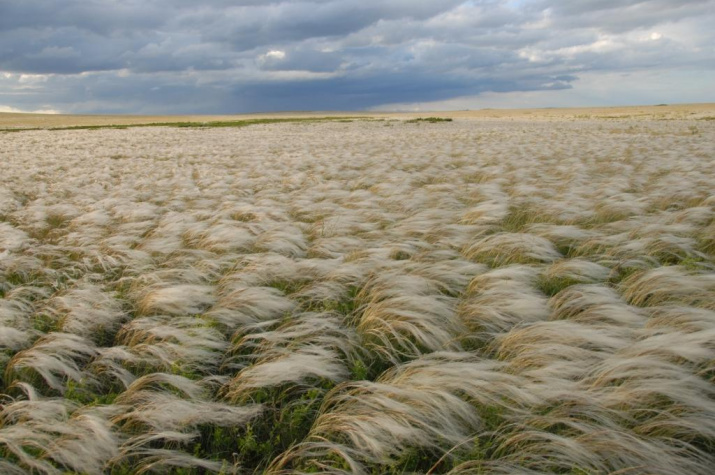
[(508, 292)]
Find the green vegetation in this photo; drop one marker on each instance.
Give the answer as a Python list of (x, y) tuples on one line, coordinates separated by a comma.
[(551, 286), (199, 125), (431, 120)]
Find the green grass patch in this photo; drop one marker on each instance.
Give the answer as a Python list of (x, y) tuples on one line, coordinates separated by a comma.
[(519, 217), (431, 120), (200, 125), (19, 129), (44, 323), (287, 422), (551, 286), (85, 395)]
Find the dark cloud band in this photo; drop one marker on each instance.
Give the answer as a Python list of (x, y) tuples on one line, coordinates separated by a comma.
[(184, 56)]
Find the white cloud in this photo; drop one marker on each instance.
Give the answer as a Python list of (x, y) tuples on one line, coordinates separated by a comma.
[(32, 78), (277, 54), (39, 111)]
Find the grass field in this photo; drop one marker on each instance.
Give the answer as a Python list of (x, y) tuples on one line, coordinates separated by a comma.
[(509, 292)]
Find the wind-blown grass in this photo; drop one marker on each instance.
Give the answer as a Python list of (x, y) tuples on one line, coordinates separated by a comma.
[(474, 297)]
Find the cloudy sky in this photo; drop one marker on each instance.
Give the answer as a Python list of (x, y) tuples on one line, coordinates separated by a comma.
[(232, 56)]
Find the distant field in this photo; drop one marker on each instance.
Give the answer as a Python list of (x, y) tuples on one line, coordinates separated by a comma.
[(511, 292), (678, 111), (12, 120)]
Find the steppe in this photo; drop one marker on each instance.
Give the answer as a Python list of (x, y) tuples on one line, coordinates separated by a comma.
[(511, 291), (661, 112)]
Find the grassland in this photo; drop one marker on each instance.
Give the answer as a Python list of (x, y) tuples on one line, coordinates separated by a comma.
[(661, 112), (506, 292)]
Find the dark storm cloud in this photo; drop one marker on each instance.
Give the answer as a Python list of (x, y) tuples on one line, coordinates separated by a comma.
[(181, 56), (100, 17), (65, 50), (348, 92), (248, 27)]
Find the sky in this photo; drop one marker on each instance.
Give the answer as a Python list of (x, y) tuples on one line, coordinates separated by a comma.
[(240, 56)]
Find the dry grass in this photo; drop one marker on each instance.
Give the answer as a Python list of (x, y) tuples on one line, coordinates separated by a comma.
[(702, 112), (509, 292)]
